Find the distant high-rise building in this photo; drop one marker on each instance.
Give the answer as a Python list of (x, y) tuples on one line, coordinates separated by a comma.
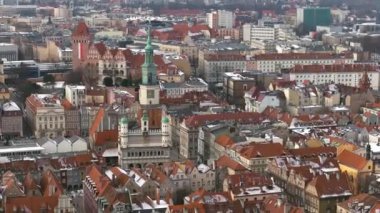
[(311, 17), (221, 19), (378, 18)]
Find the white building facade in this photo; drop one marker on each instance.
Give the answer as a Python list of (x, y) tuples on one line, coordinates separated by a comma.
[(346, 74), (45, 115), (75, 94), (215, 67)]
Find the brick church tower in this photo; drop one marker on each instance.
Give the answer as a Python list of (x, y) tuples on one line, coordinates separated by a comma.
[(80, 40)]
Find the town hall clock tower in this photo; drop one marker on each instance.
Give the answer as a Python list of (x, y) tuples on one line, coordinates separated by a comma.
[(149, 94)]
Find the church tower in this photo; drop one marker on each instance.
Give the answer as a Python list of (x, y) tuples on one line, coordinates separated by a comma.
[(149, 88), (80, 41)]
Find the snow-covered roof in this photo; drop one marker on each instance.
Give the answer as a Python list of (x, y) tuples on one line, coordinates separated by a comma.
[(203, 168), (10, 106), (110, 153)]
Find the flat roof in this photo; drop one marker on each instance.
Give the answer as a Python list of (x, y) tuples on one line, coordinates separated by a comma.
[(12, 149)]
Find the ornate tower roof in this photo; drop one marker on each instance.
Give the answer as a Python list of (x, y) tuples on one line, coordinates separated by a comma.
[(124, 120), (149, 75), (81, 30)]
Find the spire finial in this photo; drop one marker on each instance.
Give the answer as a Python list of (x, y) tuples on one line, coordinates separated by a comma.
[(149, 31)]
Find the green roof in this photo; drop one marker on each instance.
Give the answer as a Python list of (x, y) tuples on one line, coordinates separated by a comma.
[(145, 116), (165, 120), (124, 120)]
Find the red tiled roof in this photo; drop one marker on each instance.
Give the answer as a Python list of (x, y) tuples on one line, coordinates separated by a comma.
[(225, 161), (352, 160), (300, 56), (81, 30), (245, 180), (257, 150), (107, 136), (66, 104), (31, 204), (229, 57), (313, 151), (193, 207), (320, 68), (271, 204), (225, 140), (49, 180), (101, 47), (29, 183), (330, 185), (95, 124), (366, 199), (240, 117)]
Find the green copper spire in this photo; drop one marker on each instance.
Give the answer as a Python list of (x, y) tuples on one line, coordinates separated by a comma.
[(149, 75)]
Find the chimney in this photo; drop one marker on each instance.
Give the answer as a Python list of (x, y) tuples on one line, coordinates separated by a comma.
[(158, 195)]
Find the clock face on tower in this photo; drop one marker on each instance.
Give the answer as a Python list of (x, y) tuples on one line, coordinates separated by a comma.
[(150, 93)]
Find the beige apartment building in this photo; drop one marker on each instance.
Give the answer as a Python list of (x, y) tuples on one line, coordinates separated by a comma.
[(45, 115)]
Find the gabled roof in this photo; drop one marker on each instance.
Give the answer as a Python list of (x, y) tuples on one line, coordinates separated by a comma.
[(352, 160), (29, 183), (225, 161), (257, 150), (31, 204), (107, 136), (49, 180), (366, 199), (274, 204), (330, 185), (96, 123), (240, 117), (247, 180), (81, 30), (225, 140), (310, 152)]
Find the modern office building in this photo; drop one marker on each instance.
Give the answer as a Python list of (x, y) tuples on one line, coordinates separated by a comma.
[(311, 17)]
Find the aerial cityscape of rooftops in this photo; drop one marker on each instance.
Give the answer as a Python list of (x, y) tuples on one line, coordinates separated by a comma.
[(190, 106)]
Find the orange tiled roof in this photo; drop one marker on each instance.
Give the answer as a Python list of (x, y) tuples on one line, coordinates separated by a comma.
[(332, 68), (240, 117), (367, 199), (331, 184), (107, 136), (190, 208), (225, 161), (95, 124), (31, 204), (225, 141), (313, 151), (352, 160), (48, 179), (66, 104), (271, 204), (255, 150), (29, 183), (248, 180)]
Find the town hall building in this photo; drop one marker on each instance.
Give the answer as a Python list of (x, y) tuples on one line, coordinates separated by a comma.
[(150, 143)]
